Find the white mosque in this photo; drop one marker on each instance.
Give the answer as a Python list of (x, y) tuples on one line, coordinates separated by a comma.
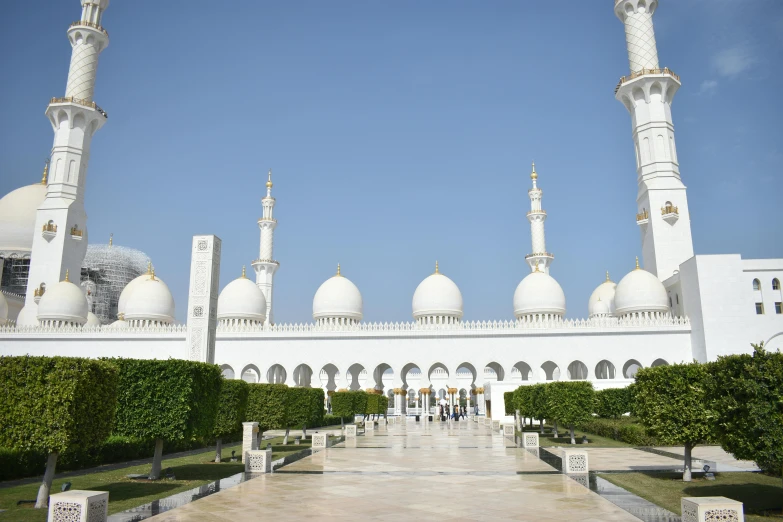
[(678, 307)]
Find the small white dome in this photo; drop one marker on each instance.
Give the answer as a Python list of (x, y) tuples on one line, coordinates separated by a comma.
[(92, 320), (3, 309), (600, 309), (150, 300), (605, 294), (437, 296), (18, 211), (242, 299), (28, 315), (65, 302), (640, 291), (539, 293), (338, 298), (119, 324), (128, 290)]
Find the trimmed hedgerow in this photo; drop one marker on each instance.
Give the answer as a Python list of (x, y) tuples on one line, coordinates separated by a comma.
[(508, 402), (349, 403), (52, 404), (266, 405), (232, 406), (625, 429), (376, 404), (570, 402), (611, 403)]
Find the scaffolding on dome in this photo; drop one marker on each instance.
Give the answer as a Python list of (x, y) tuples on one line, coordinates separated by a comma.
[(14, 275), (106, 270)]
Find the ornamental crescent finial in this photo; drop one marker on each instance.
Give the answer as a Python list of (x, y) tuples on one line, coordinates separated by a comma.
[(45, 173), (437, 270), (243, 272), (338, 271), (534, 174), (637, 262), (111, 239), (269, 180), (152, 274), (149, 267), (66, 276), (607, 276)]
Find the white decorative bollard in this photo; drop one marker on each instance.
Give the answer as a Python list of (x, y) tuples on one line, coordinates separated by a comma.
[(249, 437), (708, 509), (79, 506), (530, 439), (258, 461), (575, 461), (350, 431), (381, 421), (495, 425), (508, 431), (319, 441), (369, 425)]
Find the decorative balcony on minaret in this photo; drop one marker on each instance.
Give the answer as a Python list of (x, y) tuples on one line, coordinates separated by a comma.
[(648, 93)]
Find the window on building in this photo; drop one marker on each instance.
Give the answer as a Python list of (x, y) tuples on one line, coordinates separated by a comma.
[(779, 308), (756, 284), (775, 284), (759, 308), (678, 298)]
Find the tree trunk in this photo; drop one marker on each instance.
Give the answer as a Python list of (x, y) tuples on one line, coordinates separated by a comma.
[(285, 439), (46, 485), (304, 432), (342, 422), (541, 425), (218, 449), (554, 430), (157, 460), (686, 473), (573, 438)]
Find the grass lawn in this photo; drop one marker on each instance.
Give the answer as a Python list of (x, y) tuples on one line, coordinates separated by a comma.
[(761, 494), (595, 441), (190, 472)]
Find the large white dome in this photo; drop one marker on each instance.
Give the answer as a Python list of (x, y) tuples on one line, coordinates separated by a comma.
[(437, 296), (640, 291), (17, 217), (150, 300), (605, 294), (3, 309), (242, 299), (128, 290), (338, 298), (92, 321), (28, 315), (64, 302), (539, 293)]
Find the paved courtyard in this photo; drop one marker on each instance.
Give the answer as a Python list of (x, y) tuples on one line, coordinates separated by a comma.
[(410, 471)]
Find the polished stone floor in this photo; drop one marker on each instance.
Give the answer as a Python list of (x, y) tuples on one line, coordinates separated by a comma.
[(409, 471)]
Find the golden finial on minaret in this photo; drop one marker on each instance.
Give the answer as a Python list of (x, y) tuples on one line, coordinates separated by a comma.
[(111, 239), (66, 276), (534, 174), (45, 173), (152, 274), (243, 272), (338, 271), (607, 276), (437, 270), (637, 262), (149, 267), (269, 180)]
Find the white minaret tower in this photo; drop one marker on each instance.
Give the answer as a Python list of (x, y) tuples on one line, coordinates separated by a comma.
[(540, 257), (60, 239), (647, 93), (265, 266)]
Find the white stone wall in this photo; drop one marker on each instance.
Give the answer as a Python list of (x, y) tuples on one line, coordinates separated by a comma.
[(203, 297)]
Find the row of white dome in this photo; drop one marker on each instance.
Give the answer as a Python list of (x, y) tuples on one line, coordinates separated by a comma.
[(437, 299)]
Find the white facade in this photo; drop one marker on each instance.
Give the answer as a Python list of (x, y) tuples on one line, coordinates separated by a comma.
[(683, 307)]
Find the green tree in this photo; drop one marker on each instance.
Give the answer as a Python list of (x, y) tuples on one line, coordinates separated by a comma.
[(746, 392), (671, 402), (349, 404), (266, 405), (523, 402), (166, 400), (571, 402), (612, 403), (231, 410), (539, 405), (299, 412), (51, 404)]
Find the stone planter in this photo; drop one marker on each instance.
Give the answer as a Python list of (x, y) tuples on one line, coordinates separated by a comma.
[(350, 431), (711, 509), (508, 431), (79, 506), (320, 441), (575, 461), (258, 461), (529, 440)]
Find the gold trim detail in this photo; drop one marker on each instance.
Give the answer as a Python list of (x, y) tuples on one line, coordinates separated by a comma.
[(45, 176)]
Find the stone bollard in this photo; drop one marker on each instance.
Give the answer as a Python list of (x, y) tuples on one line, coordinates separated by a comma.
[(79, 506), (508, 431), (369, 425), (530, 440), (320, 441), (702, 509), (258, 461), (575, 461), (249, 437), (495, 425), (350, 431)]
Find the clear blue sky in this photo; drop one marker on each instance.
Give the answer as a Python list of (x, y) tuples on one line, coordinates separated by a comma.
[(401, 133)]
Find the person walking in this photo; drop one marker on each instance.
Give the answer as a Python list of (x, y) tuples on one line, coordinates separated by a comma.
[(442, 418)]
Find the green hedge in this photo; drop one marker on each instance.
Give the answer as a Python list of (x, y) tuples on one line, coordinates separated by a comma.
[(508, 402), (612, 402), (304, 407), (168, 400), (349, 403), (51, 404), (625, 429), (232, 407), (376, 404), (333, 420), (266, 405)]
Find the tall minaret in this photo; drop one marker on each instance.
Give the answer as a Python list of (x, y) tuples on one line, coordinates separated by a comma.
[(540, 257), (647, 93), (60, 237), (265, 266)]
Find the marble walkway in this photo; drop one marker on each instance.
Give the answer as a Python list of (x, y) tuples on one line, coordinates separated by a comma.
[(410, 471)]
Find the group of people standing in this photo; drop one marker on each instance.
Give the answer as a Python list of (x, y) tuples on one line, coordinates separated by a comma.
[(447, 413)]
